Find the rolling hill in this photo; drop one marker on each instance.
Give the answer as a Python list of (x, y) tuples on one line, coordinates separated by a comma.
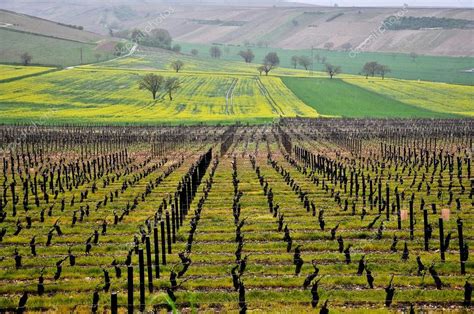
[(283, 26), (48, 42)]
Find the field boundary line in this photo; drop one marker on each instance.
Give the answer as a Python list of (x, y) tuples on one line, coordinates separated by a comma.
[(269, 98), (17, 78), (48, 36), (229, 98)]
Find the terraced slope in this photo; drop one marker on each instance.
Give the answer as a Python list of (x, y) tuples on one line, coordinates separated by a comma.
[(284, 26)]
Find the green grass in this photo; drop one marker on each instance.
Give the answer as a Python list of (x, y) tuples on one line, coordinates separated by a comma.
[(44, 50), (425, 68), (338, 98)]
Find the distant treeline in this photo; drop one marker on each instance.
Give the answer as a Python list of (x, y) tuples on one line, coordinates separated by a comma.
[(219, 22), (71, 26), (416, 23), (332, 18)]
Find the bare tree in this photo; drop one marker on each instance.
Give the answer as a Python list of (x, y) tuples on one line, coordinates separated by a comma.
[(247, 55), (97, 56), (194, 52), (215, 52), (261, 69), (171, 85), (262, 44), (270, 62), (26, 58), (382, 70), (332, 70), (329, 45), (304, 61), (413, 56), (370, 68), (177, 65), (318, 58), (294, 61), (152, 83), (346, 46)]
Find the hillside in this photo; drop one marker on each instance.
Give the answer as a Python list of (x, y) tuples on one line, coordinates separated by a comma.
[(48, 42), (216, 91), (14, 21), (283, 26)]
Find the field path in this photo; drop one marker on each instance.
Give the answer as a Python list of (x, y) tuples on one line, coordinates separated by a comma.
[(129, 54), (269, 98), (229, 98)]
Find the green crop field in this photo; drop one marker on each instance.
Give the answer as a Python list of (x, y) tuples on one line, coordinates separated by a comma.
[(426, 68), (44, 50), (344, 98)]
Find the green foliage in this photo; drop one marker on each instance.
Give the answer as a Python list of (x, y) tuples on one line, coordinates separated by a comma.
[(159, 38), (416, 23), (120, 49)]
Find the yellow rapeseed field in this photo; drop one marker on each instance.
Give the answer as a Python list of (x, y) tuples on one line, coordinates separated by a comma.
[(440, 97), (221, 93), (92, 94), (10, 71)]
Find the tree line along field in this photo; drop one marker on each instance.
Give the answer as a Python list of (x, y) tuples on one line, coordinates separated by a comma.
[(215, 91), (450, 70), (238, 218)]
